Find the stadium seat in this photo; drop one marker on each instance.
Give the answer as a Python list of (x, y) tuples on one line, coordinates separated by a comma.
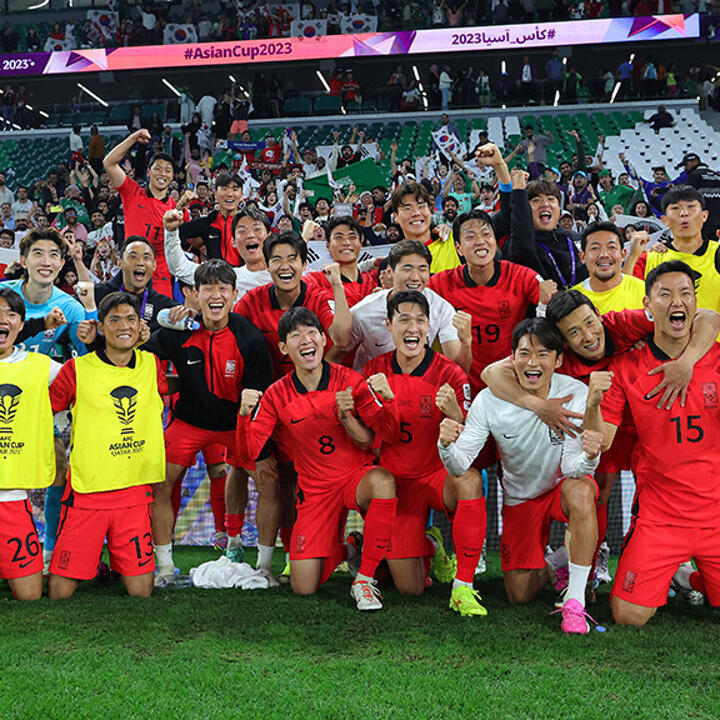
[(327, 105)]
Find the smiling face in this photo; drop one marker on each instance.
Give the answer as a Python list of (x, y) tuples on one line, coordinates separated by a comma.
[(477, 243), (215, 300), (286, 267), (583, 332), (673, 305), (414, 216), (121, 328), (160, 176), (137, 266), (545, 212), (305, 345), (322, 207), (228, 197), (409, 329), (43, 262), (10, 325), (344, 244), (535, 365), (411, 273), (250, 235), (603, 255)]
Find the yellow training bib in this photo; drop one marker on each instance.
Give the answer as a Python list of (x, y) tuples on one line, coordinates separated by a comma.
[(628, 295), (117, 432), (27, 448)]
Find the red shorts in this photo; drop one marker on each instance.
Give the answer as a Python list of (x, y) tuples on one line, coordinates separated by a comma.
[(317, 530), (415, 497), (618, 457), (183, 442), (650, 557), (20, 554), (215, 454), (526, 529), (80, 541)]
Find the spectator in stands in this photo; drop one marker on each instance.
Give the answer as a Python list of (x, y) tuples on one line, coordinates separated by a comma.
[(571, 83), (411, 98), (661, 119), (554, 72), (8, 107), (527, 81), (23, 204), (445, 86), (96, 149), (611, 194), (7, 219), (350, 89), (482, 88), (534, 147), (32, 40), (580, 195), (76, 143)]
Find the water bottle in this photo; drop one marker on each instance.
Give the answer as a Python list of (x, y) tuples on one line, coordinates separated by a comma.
[(187, 323), (179, 582)]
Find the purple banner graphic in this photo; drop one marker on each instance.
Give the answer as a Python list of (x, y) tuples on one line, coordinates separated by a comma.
[(576, 32)]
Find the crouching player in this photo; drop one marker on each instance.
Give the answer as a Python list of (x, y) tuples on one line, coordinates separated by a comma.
[(117, 454), (27, 454), (426, 387), (544, 477), (325, 417), (677, 501)]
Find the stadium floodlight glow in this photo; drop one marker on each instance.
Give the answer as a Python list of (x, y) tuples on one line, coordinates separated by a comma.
[(416, 73), (343, 110), (503, 67), (43, 113), (632, 57), (424, 99), (93, 95), (232, 78), (565, 60), (29, 107), (244, 91), (171, 86), (16, 126), (556, 101), (42, 4), (615, 91), (322, 79), (421, 88)]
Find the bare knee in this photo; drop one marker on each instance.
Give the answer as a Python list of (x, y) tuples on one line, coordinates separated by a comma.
[(625, 613), (579, 498), (302, 587), (60, 589), (137, 587), (517, 596), (469, 485), (27, 591), (382, 483)]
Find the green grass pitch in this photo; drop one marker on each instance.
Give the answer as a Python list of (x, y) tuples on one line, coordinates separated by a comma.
[(191, 653)]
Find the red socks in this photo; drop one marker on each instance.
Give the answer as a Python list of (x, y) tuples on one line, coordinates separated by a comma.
[(234, 524), (176, 499), (601, 512), (217, 501), (468, 532), (379, 522)]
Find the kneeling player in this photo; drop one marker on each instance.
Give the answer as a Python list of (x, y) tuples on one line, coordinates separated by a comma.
[(544, 477), (322, 414), (677, 501), (26, 448), (117, 454), (426, 387)]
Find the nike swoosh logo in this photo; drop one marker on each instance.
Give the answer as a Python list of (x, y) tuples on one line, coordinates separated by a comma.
[(24, 565), (294, 422), (379, 344), (509, 437), (193, 362), (144, 562)]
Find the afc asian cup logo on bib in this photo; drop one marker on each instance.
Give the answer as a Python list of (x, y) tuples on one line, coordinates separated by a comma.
[(125, 402), (9, 403)]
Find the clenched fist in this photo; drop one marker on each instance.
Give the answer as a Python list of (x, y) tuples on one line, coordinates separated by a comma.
[(380, 386), (345, 403), (249, 401), (449, 431)]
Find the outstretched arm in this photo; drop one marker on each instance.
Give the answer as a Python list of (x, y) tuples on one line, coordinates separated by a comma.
[(112, 160)]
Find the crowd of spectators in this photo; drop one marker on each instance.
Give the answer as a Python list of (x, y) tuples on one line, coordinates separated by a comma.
[(145, 23)]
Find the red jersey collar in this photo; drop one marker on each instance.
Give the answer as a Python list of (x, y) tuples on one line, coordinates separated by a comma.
[(421, 369), (492, 281), (324, 380), (298, 303)]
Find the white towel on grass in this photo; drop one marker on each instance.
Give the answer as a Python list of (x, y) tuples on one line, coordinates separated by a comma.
[(222, 573)]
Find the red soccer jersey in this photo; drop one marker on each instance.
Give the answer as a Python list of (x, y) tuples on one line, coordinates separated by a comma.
[(261, 307), (307, 426), (678, 451), (622, 330), (355, 290), (496, 308), (62, 397), (143, 216), (413, 451)]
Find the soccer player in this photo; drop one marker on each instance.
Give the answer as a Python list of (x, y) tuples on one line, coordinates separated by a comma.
[(144, 208), (603, 253), (409, 261), (117, 454), (677, 502), (41, 256), (495, 293), (544, 477), (426, 387), (684, 213), (327, 418), (286, 258), (213, 364), (26, 448), (344, 241), (250, 227)]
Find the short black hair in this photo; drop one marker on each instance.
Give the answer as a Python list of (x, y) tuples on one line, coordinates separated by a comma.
[(347, 220), (13, 299), (601, 226), (461, 219), (37, 234), (415, 297), (548, 335), (562, 303), (449, 198), (403, 248), (416, 189), (295, 316), (115, 299), (543, 187), (130, 239), (285, 238), (254, 214), (215, 270), (225, 178), (669, 267), (682, 192), (161, 156)]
